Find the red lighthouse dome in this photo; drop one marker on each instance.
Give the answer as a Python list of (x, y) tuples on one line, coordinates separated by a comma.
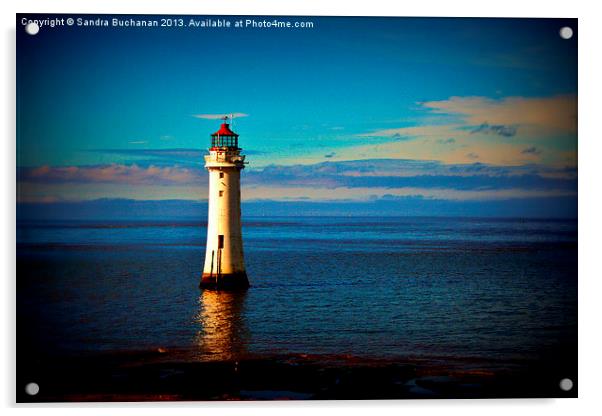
[(224, 130)]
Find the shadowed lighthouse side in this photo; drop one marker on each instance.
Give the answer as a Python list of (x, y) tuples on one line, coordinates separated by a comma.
[(224, 267)]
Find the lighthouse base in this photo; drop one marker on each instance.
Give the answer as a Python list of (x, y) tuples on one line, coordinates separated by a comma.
[(229, 281)]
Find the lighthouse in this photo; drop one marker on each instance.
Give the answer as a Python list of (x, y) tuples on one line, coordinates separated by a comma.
[(224, 267)]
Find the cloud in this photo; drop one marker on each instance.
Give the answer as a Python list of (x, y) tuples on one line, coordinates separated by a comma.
[(114, 174), (397, 174), (179, 152), (552, 121), (353, 180), (472, 156), (499, 129), (155, 157), (219, 116), (329, 155), (543, 115), (412, 132), (138, 142), (401, 137), (532, 150), (503, 116), (183, 157), (450, 140)]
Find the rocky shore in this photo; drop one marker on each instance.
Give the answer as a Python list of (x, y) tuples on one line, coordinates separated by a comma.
[(162, 375)]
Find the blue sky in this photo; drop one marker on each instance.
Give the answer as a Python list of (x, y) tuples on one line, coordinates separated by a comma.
[(351, 110)]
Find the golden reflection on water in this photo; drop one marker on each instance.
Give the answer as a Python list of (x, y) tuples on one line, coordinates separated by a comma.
[(223, 335)]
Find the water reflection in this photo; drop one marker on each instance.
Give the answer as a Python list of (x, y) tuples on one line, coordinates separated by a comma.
[(223, 334)]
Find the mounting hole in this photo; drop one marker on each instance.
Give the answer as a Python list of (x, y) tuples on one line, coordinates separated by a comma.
[(32, 28), (566, 32), (566, 384), (32, 389)]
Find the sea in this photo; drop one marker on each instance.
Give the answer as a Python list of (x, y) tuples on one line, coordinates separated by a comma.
[(482, 288)]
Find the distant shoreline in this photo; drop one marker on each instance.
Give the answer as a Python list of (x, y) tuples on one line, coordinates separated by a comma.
[(128, 209)]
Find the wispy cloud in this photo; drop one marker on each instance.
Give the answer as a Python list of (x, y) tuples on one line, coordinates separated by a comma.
[(542, 114), (221, 115), (381, 172), (502, 116), (449, 140), (427, 131), (322, 181), (154, 157), (179, 152), (397, 174), (495, 129), (532, 150), (499, 129), (114, 173)]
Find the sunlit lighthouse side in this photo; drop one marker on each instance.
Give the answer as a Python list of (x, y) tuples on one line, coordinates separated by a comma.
[(224, 267)]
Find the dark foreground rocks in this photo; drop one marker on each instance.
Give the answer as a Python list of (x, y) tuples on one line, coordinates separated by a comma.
[(178, 375)]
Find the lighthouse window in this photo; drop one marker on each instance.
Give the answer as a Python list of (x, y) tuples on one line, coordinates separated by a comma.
[(220, 241), (221, 175), (221, 193)]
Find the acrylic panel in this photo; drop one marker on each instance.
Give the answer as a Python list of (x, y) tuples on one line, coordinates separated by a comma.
[(295, 207)]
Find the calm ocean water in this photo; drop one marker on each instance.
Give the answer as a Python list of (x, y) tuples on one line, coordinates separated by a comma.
[(373, 287)]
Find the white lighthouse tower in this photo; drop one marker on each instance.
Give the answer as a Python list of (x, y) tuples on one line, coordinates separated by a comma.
[(224, 262)]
